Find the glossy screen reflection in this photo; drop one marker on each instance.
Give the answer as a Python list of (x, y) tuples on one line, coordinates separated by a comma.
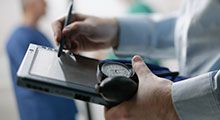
[(78, 69)]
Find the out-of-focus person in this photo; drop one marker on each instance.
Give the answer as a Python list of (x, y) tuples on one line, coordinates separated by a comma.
[(33, 105)]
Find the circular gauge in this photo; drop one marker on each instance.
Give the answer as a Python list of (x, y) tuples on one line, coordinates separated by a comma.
[(112, 69)]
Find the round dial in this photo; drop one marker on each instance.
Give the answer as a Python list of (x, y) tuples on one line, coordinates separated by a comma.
[(116, 69)]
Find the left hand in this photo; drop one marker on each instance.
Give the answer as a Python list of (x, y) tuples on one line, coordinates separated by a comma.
[(153, 99)]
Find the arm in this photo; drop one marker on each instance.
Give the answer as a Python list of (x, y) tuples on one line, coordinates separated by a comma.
[(147, 35), (152, 101)]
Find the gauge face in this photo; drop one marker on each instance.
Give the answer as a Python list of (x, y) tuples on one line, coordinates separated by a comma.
[(115, 69)]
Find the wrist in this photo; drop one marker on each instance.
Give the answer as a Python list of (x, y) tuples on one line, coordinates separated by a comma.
[(167, 110), (115, 40)]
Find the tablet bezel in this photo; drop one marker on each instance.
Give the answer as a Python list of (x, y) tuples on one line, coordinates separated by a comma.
[(51, 86)]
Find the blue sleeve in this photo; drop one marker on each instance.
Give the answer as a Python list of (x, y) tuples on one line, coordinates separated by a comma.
[(146, 35)]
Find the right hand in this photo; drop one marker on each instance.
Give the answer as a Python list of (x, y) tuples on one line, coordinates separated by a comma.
[(87, 33), (153, 100)]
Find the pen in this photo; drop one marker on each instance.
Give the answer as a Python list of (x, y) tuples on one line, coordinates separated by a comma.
[(66, 22)]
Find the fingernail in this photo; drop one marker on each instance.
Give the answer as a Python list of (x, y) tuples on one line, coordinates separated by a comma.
[(137, 58)]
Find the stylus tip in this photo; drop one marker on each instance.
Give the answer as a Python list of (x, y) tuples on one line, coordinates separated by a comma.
[(59, 54)]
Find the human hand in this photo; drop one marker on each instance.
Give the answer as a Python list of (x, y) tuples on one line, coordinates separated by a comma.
[(153, 99), (87, 33)]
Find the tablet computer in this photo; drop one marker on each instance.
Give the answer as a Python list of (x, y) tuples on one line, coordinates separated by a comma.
[(71, 76)]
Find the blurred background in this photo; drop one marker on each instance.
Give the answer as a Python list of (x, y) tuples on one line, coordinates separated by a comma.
[(10, 12)]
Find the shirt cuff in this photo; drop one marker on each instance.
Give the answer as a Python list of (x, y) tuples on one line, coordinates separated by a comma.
[(197, 98)]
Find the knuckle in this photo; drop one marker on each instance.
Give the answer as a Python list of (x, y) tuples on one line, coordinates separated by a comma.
[(75, 26)]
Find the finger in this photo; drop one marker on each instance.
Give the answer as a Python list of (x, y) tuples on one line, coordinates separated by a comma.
[(57, 27), (141, 68), (77, 28), (79, 17), (74, 47)]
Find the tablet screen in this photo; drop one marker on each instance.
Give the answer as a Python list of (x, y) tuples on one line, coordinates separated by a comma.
[(66, 68)]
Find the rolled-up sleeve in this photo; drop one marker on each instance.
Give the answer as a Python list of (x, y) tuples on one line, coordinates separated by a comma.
[(198, 98)]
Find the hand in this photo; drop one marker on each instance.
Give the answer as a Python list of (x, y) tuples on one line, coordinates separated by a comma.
[(87, 33), (153, 99)]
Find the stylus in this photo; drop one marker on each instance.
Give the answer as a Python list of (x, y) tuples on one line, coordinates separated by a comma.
[(66, 22)]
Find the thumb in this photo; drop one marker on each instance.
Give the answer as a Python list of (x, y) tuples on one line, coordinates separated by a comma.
[(78, 28), (141, 68)]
